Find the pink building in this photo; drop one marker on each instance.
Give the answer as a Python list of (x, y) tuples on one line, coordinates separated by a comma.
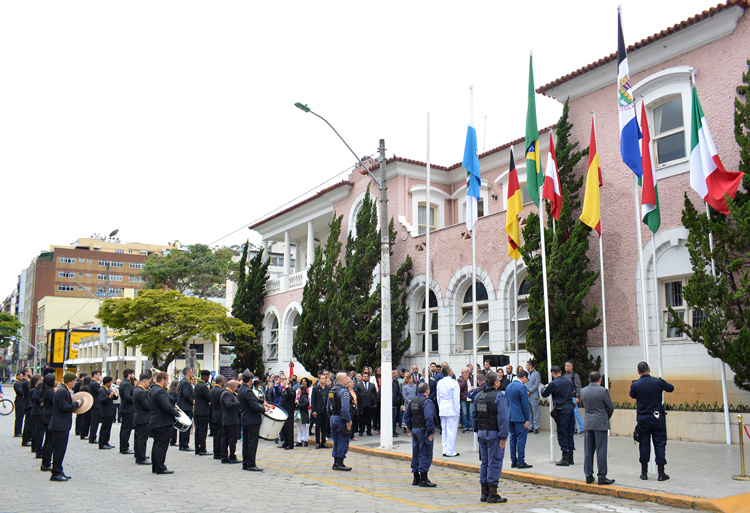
[(713, 45)]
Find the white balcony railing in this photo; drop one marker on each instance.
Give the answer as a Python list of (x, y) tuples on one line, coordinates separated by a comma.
[(286, 282)]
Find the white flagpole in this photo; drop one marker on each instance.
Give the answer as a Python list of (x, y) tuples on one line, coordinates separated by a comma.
[(724, 394), (604, 310), (657, 313), (515, 284), (474, 304), (428, 335), (546, 320), (644, 306)]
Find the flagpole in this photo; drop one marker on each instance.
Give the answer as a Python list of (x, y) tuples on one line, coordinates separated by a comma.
[(724, 394), (515, 284), (428, 335), (604, 313), (474, 304), (644, 306), (546, 321), (657, 313)]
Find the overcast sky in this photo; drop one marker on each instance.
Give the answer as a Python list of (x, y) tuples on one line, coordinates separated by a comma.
[(175, 120)]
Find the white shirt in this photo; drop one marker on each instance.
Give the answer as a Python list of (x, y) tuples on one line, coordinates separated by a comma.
[(448, 397)]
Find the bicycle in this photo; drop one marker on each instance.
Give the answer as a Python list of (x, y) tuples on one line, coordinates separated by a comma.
[(6, 407)]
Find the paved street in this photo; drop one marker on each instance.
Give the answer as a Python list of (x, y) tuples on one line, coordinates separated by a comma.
[(298, 480)]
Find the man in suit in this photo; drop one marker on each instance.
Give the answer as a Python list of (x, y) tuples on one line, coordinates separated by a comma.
[(20, 402), (532, 387), (215, 397), (397, 399), (520, 418), (96, 409), (229, 422), (318, 400), (599, 409), (162, 411), (252, 415), (141, 419), (106, 395), (127, 410), (369, 395), (416, 374), (186, 400), (60, 424), (202, 412)]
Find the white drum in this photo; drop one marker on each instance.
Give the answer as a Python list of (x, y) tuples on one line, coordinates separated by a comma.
[(183, 422), (272, 422)]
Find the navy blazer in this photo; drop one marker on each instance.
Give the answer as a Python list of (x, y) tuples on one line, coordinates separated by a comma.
[(518, 401), (62, 410)]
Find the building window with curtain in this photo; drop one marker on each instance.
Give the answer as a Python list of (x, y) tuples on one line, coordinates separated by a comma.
[(672, 296), (668, 132), (422, 324), (422, 218), (465, 323), (272, 348)]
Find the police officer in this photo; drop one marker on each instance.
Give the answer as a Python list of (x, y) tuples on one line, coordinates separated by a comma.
[(419, 418), (491, 421), (339, 410), (647, 392), (562, 391)]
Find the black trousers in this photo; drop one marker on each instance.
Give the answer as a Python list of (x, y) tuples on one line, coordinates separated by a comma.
[(249, 444), (48, 444), (28, 426), (565, 425), (288, 430), (651, 427), (85, 424), (159, 450), (79, 422), (105, 431), (201, 431), (59, 446), (376, 418), (185, 435), (218, 442), (125, 428), (141, 438), (321, 428), (20, 412), (96, 417), (365, 420), (356, 419), (229, 443), (38, 437)]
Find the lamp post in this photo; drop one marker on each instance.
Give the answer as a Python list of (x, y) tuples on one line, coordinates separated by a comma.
[(386, 364)]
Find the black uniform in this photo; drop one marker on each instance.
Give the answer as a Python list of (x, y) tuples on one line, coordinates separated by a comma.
[(59, 427), (20, 406), (318, 400), (288, 397), (229, 422), (127, 414), (185, 400), (201, 415), (48, 401), (562, 391), (141, 420), (96, 410), (162, 414), (28, 425), (652, 423), (108, 416), (252, 414), (37, 411), (215, 397)]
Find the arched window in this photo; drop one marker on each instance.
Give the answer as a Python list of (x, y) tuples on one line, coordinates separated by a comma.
[(482, 319), (422, 323), (272, 349), (523, 317), (295, 323)]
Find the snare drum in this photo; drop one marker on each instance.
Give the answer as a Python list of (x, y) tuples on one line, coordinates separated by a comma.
[(183, 422), (272, 422)]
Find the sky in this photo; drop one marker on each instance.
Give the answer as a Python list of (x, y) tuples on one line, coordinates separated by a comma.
[(175, 120)]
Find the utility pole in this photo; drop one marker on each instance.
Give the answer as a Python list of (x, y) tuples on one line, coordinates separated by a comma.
[(386, 350), (103, 329)]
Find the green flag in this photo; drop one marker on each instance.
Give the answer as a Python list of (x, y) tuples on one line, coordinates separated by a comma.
[(534, 177)]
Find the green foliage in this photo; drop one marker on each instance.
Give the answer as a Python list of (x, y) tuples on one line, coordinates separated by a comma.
[(162, 322), (197, 270), (568, 276), (251, 290), (724, 300), (9, 327)]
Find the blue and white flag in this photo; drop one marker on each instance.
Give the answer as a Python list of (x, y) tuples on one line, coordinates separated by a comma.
[(471, 163), (630, 133)]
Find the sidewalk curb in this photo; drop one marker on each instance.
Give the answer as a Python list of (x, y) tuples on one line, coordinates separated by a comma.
[(732, 504)]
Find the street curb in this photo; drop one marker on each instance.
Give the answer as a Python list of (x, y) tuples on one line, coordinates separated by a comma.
[(731, 504)]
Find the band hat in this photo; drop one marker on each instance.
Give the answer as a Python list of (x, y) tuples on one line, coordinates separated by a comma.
[(69, 376)]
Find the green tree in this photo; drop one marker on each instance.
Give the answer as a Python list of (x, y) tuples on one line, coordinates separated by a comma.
[(251, 291), (195, 269), (9, 327), (162, 322), (724, 301), (568, 276), (314, 346)]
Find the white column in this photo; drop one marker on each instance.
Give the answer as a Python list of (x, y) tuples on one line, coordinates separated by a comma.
[(265, 251), (287, 254), (310, 244)]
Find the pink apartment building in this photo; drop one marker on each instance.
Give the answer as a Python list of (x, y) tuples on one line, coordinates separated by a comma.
[(714, 45)]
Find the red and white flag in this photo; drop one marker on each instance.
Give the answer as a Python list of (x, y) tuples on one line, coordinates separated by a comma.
[(552, 189)]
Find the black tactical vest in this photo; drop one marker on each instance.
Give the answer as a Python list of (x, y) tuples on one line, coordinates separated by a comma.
[(334, 401), (486, 410), (416, 409)]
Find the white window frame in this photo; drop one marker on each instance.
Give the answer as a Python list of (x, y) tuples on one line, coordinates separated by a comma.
[(272, 347), (460, 195), (689, 312), (650, 109), (422, 228), (465, 321), (434, 311), (438, 197)]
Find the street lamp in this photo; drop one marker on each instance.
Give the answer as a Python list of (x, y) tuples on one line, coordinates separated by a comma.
[(386, 364)]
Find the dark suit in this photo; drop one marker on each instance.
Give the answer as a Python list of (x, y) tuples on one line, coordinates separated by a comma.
[(252, 415), (36, 413), (127, 413), (141, 420), (96, 410), (318, 401), (599, 408), (229, 422), (162, 414), (108, 415), (59, 427), (368, 394), (20, 407), (201, 415), (215, 396), (185, 399), (28, 425), (288, 397), (85, 418), (647, 392), (48, 402)]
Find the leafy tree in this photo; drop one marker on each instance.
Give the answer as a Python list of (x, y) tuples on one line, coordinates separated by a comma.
[(568, 276), (724, 301), (314, 346), (162, 322), (197, 270), (9, 327), (251, 290)]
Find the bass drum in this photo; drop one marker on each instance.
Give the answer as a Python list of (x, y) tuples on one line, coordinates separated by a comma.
[(272, 422)]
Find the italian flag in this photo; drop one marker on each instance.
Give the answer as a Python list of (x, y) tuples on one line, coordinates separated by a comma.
[(650, 194), (707, 174)]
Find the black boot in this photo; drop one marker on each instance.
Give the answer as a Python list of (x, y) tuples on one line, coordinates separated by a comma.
[(425, 481), (662, 475), (493, 497), (343, 467), (564, 461), (644, 471), (485, 492), (570, 457), (417, 479)]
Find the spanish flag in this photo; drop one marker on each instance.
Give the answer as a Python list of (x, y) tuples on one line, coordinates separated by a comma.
[(514, 207), (591, 215)]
